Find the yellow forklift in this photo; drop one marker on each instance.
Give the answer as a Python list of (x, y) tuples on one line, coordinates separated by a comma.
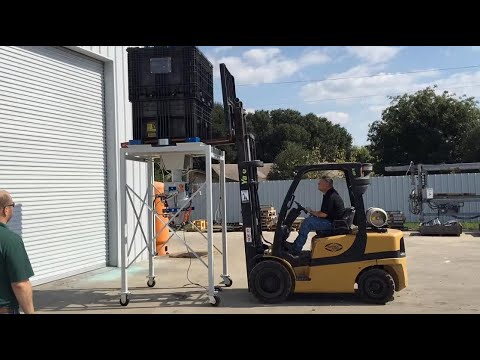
[(357, 257)]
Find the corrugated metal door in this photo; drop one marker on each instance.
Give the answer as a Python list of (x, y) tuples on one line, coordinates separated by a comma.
[(52, 157)]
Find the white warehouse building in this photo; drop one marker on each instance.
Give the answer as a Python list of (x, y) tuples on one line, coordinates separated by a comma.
[(64, 111)]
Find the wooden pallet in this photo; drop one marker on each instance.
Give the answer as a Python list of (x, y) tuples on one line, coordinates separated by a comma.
[(234, 227), (200, 224), (267, 223), (268, 213), (217, 228), (297, 223), (274, 227)]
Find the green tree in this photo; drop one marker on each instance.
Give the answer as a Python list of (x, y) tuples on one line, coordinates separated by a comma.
[(285, 162), (471, 146), (361, 154), (423, 127), (220, 131), (260, 125), (296, 155), (285, 135), (218, 121), (281, 135), (273, 129), (332, 140)]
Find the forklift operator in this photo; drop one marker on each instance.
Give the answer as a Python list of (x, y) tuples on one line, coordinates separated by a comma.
[(332, 209)]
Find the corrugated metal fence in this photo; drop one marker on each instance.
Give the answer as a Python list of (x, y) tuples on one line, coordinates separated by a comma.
[(389, 193)]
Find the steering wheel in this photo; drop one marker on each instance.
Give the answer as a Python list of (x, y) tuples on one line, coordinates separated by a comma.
[(301, 208)]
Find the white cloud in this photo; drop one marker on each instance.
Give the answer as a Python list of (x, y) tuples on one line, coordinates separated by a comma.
[(374, 54), (376, 89), (249, 110), (461, 83), (358, 83), (359, 70), (261, 56), (267, 64), (377, 108), (222, 49), (336, 117), (314, 57)]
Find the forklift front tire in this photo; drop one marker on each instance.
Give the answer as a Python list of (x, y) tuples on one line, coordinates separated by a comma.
[(270, 282)]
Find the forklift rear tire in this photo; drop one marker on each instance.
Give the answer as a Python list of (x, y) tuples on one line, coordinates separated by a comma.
[(376, 286), (270, 282)]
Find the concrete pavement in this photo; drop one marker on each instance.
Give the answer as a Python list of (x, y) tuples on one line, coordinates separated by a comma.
[(443, 278)]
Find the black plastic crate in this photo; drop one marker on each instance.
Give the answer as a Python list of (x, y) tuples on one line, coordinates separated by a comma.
[(169, 72), (173, 119)]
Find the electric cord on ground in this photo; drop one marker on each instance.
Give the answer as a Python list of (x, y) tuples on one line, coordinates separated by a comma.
[(189, 265)]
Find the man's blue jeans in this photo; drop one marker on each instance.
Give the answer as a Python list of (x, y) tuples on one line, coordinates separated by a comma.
[(312, 223)]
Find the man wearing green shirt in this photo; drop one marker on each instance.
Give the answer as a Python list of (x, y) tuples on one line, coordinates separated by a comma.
[(15, 267)]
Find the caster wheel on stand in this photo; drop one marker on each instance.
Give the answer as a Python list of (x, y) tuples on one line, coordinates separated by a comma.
[(216, 301), (124, 300), (228, 282)]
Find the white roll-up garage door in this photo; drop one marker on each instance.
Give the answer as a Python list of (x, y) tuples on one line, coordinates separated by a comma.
[(52, 157)]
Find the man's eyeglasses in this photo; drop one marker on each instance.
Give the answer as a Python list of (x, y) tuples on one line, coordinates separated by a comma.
[(12, 205)]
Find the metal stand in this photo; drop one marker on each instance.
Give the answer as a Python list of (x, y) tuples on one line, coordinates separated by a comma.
[(149, 155), (444, 203)]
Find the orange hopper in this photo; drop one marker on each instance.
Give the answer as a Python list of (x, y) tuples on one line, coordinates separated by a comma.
[(161, 228)]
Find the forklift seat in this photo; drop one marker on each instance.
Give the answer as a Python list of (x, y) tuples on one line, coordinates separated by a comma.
[(341, 226)]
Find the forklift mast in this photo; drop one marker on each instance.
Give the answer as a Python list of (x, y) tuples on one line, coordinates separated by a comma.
[(235, 121)]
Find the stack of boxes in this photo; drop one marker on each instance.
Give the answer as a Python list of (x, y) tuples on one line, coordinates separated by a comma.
[(171, 90)]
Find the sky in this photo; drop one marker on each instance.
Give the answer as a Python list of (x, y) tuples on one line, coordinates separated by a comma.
[(347, 85)]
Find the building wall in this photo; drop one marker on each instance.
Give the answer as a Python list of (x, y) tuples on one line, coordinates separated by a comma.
[(53, 158), (119, 129)]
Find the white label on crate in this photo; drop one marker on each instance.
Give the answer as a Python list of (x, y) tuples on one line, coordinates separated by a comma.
[(429, 193), (244, 196), (248, 234)]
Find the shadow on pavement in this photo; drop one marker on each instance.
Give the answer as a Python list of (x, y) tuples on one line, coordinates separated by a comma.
[(105, 299), (473, 233), (414, 233)]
